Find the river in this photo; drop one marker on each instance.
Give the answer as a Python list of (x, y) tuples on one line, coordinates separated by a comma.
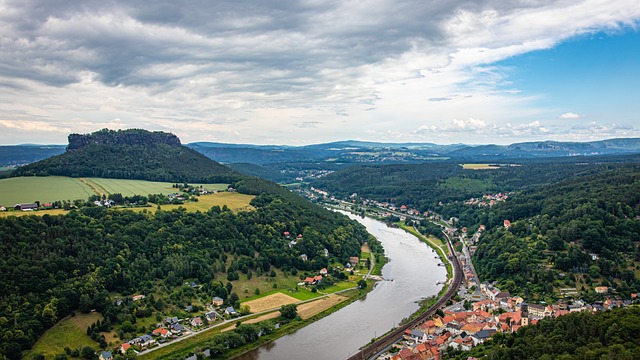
[(410, 275)]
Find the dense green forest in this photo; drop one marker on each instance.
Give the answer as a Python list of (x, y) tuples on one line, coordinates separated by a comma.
[(52, 265), (130, 154), (424, 186), (559, 228), (585, 336)]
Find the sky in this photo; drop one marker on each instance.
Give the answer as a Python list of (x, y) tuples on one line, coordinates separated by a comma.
[(302, 72)]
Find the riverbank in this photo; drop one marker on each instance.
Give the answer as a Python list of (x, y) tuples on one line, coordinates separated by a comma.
[(309, 311)]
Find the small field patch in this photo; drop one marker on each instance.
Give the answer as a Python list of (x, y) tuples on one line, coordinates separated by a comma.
[(480, 166), (234, 201), (273, 301), (312, 308)]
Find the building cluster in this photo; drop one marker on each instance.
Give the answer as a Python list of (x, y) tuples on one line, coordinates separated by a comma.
[(488, 199), (463, 328), (174, 327)]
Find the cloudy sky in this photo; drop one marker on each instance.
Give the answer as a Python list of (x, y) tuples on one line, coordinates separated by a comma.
[(301, 72)]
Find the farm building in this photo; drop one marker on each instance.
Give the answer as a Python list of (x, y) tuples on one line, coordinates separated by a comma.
[(26, 207)]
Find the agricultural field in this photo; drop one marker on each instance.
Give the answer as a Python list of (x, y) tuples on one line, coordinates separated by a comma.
[(480, 166), (138, 187), (53, 188), (272, 301), (232, 200), (44, 189), (68, 332), (312, 308)]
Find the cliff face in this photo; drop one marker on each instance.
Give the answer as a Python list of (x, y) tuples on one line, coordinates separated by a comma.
[(121, 137)]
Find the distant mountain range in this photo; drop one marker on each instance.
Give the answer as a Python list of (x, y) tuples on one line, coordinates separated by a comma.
[(372, 152), (362, 152)]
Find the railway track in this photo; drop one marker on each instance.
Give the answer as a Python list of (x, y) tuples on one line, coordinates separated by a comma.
[(395, 335)]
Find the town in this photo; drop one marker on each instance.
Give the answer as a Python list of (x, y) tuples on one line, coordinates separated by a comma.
[(480, 309)]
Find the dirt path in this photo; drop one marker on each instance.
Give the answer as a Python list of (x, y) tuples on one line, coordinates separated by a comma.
[(99, 190)]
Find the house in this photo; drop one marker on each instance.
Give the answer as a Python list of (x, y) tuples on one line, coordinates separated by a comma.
[(418, 336), (161, 332), (143, 341), (287, 234), (353, 260), (602, 289), (231, 311), (124, 347), (211, 316), (216, 301), (106, 355), (537, 310), (507, 224), (26, 207), (480, 337), (172, 320), (137, 297), (2, 208), (309, 281), (188, 308), (196, 322), (323, 271), (304, 257), (177, 328)]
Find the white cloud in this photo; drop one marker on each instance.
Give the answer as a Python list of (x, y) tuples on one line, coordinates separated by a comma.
[(262, 71), (570, 115)]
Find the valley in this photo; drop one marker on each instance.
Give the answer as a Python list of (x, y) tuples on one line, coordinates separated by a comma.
[(168, 269)]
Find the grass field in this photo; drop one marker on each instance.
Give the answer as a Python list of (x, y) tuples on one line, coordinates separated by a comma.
[(68, 332)]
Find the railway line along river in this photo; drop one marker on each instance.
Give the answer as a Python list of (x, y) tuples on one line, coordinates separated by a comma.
[(410, 275)]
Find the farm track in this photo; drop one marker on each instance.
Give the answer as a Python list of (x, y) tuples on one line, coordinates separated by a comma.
[(99, 190)]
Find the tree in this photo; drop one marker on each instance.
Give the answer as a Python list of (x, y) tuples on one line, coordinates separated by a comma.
[(88, 352), (289, 311), (362, 283)]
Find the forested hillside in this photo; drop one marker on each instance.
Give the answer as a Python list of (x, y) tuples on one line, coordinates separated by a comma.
[(603, 335), (130, 154), (424, 186), (587, 228), (52, 265)]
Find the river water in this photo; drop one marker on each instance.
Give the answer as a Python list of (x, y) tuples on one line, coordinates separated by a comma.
[(410, 275)]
